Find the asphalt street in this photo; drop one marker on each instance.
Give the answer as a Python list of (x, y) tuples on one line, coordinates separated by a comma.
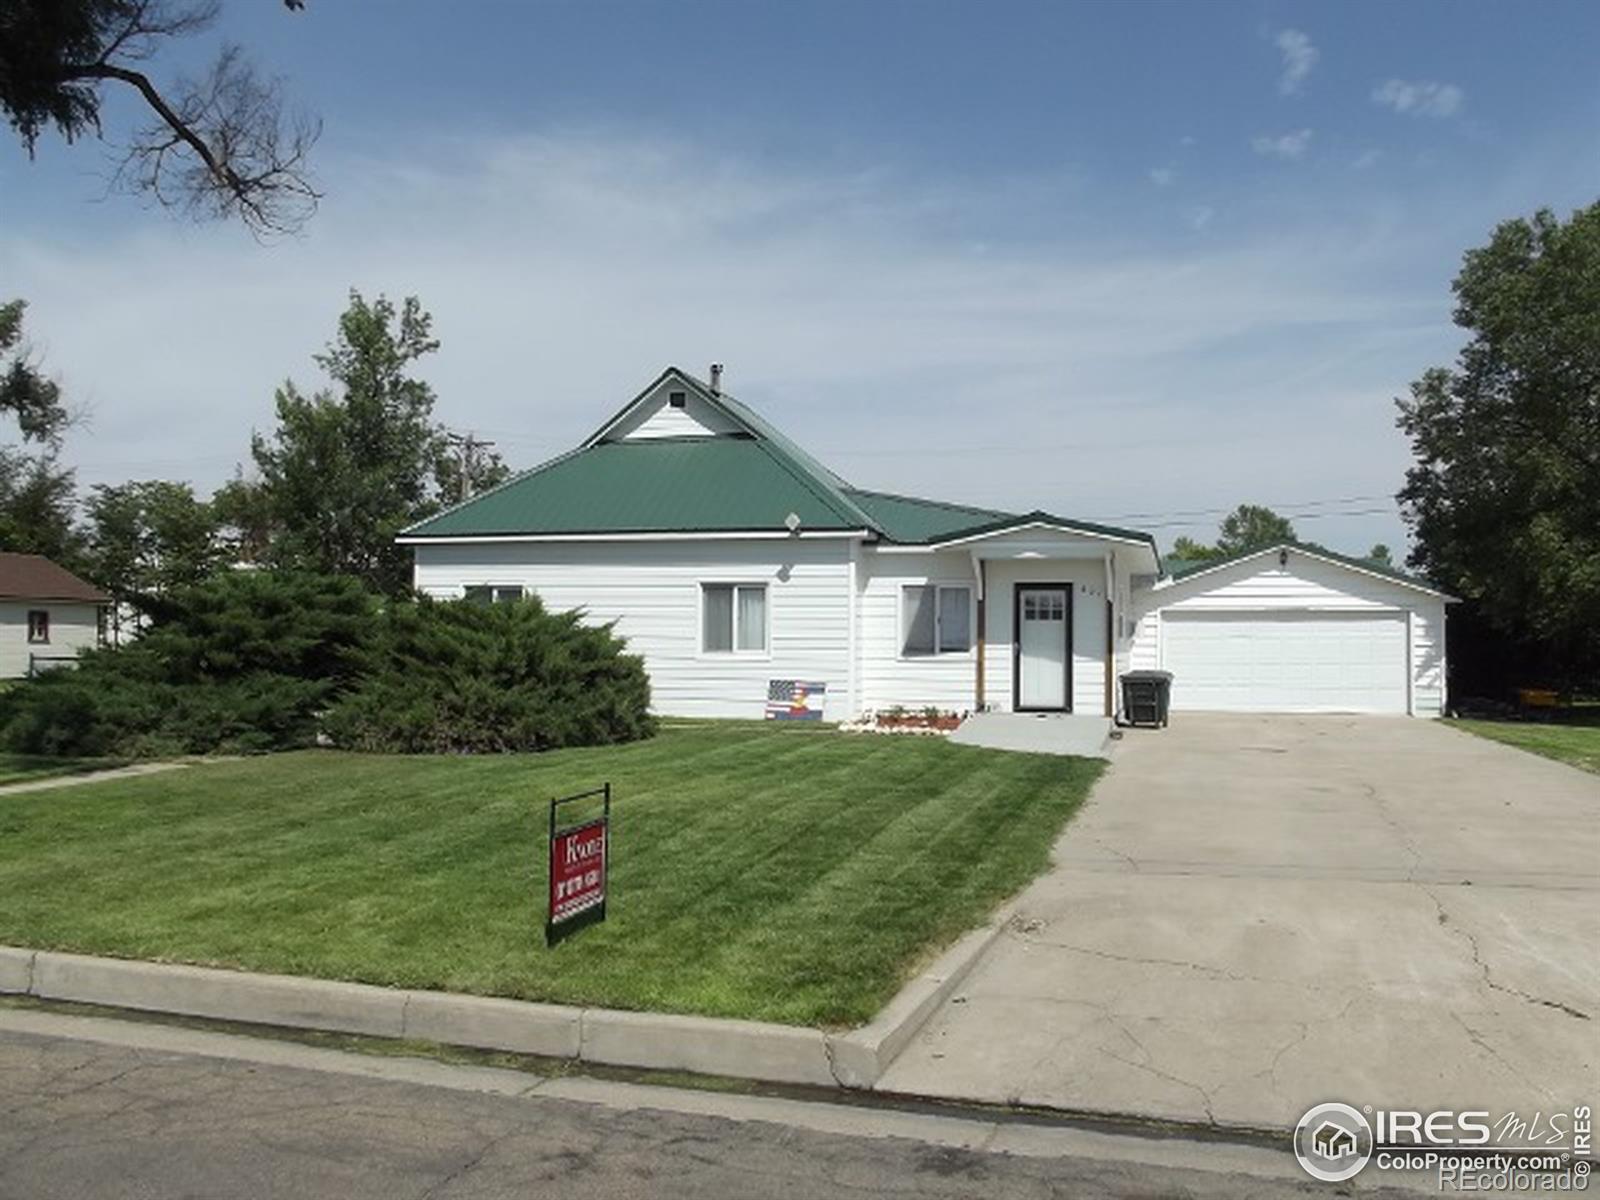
[(84, 1116)]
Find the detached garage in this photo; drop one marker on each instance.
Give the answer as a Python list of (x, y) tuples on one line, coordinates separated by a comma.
[(1295, 629)]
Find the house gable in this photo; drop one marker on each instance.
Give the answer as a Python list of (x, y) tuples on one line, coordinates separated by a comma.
[(671, 409)]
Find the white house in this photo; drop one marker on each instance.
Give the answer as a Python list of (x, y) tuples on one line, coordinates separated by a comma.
[(729, 558), (47, 615)]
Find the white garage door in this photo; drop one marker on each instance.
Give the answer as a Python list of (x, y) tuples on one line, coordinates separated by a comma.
[(1286, 662)]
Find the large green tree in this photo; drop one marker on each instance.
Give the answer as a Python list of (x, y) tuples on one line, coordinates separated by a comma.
[(149, 537), (1504, 496), (348, 468), (36, 492), (1252, 527), (217, 144), (1248, 527)]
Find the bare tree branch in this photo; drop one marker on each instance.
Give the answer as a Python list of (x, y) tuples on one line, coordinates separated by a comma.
[(218, 146), (222, 147)]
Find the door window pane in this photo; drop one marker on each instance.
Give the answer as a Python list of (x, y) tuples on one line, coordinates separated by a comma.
[(752, 618), (955, 619), (917, 617)]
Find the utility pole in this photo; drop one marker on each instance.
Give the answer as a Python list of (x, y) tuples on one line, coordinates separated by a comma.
[(467, 447)]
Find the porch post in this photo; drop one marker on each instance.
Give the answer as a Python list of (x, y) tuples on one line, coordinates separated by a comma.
[(1111, 634), (983, 625)]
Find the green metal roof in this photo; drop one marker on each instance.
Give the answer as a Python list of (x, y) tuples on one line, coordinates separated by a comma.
[(1182, 568), (910, 519), (663, 485), (749, 481)]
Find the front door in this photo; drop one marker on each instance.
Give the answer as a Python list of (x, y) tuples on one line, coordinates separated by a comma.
[(1043, 647)]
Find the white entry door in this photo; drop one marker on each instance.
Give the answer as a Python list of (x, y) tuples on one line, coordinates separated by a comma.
[(1042, 647), (1293, 661)]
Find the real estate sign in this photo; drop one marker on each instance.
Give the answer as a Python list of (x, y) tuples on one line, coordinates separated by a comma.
[(578, 858)]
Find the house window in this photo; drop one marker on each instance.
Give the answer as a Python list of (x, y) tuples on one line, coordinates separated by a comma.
[(733, 618), (38, 625), (487, 593), (677, 399), (935, 619)]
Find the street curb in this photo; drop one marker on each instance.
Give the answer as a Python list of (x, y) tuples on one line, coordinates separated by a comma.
[(660, 1041), (859, 1058)]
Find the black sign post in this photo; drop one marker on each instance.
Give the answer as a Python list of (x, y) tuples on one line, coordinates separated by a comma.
[(579, 856)]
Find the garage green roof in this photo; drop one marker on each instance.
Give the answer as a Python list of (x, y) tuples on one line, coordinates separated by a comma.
[(749, 480)]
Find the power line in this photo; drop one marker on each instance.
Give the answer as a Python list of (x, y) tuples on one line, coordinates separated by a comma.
[(1277, 506), (1349, 512)]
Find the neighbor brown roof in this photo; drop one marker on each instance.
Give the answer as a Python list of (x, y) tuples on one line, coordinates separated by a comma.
[(34, 577)]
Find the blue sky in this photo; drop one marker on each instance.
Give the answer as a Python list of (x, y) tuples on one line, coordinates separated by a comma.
[(1136, 262)]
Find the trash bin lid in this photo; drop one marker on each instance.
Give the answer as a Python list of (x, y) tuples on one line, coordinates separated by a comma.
[(1161, 676)]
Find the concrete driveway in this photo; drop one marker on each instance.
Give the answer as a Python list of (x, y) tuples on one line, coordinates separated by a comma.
[(1255, 914)]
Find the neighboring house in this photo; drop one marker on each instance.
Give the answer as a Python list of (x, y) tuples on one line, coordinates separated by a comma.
[(47, 615), (730, 558)]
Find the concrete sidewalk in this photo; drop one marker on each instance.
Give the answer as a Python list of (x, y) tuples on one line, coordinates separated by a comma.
[(1252, 915), (1037, 733)]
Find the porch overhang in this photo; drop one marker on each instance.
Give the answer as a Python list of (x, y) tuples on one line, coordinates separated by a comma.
[(1041, 538)]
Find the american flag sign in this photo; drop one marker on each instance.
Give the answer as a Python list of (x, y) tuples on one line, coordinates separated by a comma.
[(795, 700)]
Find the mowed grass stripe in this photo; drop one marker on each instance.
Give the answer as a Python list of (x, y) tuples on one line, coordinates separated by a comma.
[(758, 871)]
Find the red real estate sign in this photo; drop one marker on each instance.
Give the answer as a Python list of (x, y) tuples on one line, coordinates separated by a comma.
[(578, 869)]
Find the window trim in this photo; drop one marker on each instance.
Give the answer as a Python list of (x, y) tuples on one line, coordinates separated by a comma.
[(44, 624), (733, 652), (941, 585)]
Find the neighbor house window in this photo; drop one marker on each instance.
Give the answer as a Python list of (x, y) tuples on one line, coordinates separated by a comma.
[(485, 593), (733, 617), (935, 619), (38, 625)]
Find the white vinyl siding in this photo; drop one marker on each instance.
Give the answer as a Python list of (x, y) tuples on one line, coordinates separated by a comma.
[(888, 676), (657, 418), (652, 591), (73, 628), (1309, 586)]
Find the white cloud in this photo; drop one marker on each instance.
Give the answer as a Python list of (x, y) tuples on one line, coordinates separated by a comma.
[(1420, 99), (1367, 159), (564, 271), (1163, 176), (1299, 56), (1199, 216), (1285, 146)]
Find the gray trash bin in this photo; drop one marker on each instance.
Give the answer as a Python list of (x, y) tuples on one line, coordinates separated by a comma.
[(1145, 697)]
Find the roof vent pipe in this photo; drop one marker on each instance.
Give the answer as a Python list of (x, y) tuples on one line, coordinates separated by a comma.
[(716, 379)]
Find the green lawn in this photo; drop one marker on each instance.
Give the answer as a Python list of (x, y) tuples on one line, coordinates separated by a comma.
[(20, 768), (1577, 744), (771, 873)]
